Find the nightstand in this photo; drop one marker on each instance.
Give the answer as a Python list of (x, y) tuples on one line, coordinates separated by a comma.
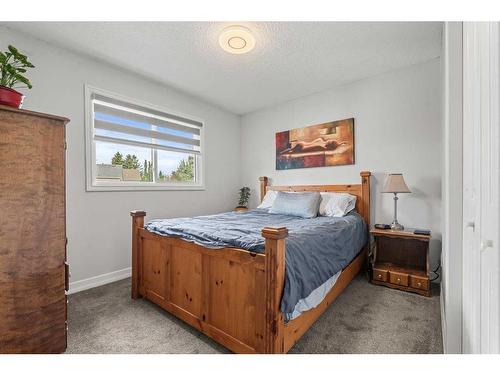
[(401, 260)]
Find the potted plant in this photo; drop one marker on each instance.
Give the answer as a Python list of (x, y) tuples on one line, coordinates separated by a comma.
[(244, 197), (13, 64)]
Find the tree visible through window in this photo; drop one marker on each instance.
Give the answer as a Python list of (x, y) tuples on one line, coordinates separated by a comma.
[(184, 171)]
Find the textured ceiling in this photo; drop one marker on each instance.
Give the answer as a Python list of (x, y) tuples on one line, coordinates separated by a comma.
[(290, 60)]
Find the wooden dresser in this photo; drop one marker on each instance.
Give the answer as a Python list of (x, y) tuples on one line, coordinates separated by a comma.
[(33, 269)]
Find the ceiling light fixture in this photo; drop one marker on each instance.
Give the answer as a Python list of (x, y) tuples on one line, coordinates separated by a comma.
[(237, 40)]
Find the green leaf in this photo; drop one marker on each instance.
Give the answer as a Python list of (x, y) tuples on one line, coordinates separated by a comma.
[(22, 58), (24, 80), (9, 68), (13, 50)]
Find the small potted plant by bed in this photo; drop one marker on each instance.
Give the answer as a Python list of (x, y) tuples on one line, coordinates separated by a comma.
[(244, 197), (13, 64)]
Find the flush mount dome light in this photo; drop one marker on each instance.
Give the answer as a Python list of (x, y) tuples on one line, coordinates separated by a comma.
[(236, 39)]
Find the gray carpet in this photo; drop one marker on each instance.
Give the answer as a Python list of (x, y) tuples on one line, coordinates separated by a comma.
[(364, 319)]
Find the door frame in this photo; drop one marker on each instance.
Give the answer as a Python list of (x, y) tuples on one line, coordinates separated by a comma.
[(451, 255)]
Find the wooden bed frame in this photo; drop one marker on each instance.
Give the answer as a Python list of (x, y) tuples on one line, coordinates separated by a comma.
[(231, 294)]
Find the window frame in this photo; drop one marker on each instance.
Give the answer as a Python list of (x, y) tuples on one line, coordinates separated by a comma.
[(90, 151)]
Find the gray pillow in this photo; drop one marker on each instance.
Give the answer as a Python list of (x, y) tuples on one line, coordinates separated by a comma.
[(304, 205)]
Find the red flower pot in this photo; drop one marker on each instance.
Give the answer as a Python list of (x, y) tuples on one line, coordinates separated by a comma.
[(10, 97)]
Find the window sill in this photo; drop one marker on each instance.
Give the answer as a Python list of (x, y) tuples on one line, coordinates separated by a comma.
[(142, 187)]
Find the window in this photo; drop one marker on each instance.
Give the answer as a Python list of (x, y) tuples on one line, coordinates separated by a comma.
[(134, 146)]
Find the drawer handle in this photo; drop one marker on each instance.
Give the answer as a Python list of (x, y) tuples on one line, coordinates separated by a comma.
[(419, 285), (399, 280), (379, 276)]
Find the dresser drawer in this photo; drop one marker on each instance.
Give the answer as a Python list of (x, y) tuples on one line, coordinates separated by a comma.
[(398, 278), (380, 274), (419, 282)]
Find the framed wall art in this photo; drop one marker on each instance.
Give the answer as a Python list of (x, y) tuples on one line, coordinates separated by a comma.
[(323, 145)]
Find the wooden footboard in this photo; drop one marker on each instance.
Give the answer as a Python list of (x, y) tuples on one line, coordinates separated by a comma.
[(230, 294)]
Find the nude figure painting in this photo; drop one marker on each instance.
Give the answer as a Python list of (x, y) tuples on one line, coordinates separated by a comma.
[(322, 145)]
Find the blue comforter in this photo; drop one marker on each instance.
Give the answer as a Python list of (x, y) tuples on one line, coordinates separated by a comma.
[(316, 249)]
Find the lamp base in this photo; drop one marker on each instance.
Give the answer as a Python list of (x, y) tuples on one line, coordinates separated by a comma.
[(396, 226)]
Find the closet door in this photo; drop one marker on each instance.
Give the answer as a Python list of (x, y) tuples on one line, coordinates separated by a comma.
[(490, 227), (481, 313)]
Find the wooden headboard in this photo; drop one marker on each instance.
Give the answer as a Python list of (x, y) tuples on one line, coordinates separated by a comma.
[(361, 191)]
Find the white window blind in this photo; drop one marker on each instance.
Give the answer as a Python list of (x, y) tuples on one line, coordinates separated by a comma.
[(127, 123), (131, 145)]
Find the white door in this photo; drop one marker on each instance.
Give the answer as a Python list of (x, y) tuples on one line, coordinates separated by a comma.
[(481, 289)]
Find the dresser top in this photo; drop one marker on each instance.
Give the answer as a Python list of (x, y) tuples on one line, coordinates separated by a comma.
[(64, 120)]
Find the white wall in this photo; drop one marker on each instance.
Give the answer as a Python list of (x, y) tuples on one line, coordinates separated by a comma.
[(397, 126), (397, 129), (98, 223)]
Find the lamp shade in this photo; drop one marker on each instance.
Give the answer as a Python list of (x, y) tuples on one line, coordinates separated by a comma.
[(395, 183)]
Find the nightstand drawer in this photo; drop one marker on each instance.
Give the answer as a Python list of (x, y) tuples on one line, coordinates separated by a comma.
[(398, 278), (380, 275), (419, 282)]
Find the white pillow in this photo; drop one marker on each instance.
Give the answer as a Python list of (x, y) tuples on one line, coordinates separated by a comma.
[(268, 200), (336, 204)]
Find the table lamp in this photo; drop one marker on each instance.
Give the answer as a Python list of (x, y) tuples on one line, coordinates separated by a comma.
[(395, 184)]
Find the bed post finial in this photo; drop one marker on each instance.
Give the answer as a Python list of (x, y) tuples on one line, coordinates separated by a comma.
[(365, 195), (275, 280), (137, 223), (263, 185)]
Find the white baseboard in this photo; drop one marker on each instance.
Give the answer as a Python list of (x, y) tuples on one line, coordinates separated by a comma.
[(443, 320), (92, 282)]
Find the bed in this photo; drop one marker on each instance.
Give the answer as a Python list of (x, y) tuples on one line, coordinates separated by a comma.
[(239, 295)]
